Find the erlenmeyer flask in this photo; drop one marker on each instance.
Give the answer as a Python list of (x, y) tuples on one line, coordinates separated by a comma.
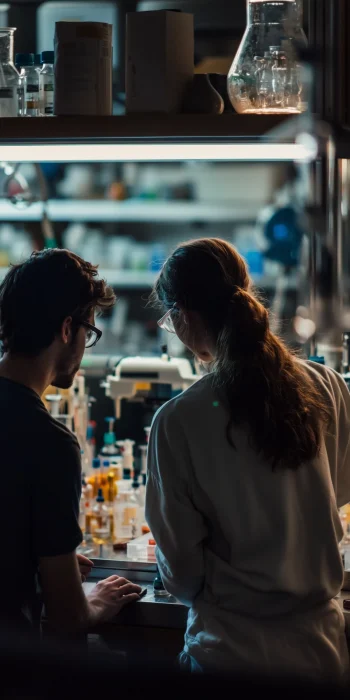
[(9, 77), (265, 77)]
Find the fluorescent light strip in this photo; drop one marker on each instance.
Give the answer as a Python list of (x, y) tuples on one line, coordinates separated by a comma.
[(66, 153)]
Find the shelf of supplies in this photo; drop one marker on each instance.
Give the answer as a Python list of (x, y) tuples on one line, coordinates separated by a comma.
[(143, 279), (103, 211)]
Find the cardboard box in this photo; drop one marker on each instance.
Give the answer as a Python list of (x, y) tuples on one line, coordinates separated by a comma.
[(159, 60), (83, 68)]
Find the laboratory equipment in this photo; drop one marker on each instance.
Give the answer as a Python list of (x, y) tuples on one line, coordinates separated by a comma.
[(109, 448), (141, 549), (54, 402), (100, 521), (135, 377), (9, 76), (126, 519), (126, 448), (66, 420), (29, 82), (265, 77), (46, 84)]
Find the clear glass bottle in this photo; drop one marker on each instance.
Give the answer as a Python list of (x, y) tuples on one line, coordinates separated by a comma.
[(47, 83), (100, 522), (265, 77), (9, 77), (126, 519), (29, 80)]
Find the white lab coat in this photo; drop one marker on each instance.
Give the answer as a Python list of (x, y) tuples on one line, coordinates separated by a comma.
[(252, 552)]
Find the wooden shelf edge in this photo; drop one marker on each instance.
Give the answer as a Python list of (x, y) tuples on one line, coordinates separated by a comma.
[(140, 126)]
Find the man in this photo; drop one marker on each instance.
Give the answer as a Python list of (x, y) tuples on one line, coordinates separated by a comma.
[(47, 310)]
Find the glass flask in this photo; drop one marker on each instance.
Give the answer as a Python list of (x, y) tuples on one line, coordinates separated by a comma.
[(265, 77), (9, 77)]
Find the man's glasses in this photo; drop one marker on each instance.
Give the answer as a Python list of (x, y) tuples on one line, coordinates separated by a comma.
[(93, 334)]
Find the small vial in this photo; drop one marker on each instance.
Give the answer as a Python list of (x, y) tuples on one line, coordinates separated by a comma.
[(47, 83), (29, 85)]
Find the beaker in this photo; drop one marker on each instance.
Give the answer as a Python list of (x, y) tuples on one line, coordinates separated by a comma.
[(265, 77), (9, 77)]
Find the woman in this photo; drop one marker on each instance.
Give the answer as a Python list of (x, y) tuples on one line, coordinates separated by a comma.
[(247, 470)]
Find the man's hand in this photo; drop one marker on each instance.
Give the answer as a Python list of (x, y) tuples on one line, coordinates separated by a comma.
[(85, 566), (110, 596)]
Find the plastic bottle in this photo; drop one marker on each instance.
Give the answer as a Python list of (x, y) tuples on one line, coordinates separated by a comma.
[(126, 482), (126, 447), (47, 84), (109, 448), (100, 522), (29, 82)]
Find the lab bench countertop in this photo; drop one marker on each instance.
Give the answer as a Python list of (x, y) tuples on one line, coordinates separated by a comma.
[(168, 613)]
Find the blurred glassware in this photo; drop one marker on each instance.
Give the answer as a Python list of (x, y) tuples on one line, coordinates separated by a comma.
[(9, 77), (266, 77)]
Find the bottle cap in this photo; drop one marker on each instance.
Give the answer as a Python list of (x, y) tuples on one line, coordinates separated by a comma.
[(96, 463), (127, 474), (100, 498), (24, 59), (47, 57), (144, 479), (105, 463)]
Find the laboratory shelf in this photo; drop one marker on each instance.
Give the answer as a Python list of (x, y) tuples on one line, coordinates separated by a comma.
[(131, 210), (136, 127)]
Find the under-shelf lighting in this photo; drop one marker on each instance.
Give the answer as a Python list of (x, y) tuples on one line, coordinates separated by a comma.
[(304, 150)]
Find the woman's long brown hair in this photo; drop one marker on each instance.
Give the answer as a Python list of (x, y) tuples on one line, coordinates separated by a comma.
[(266, 387)]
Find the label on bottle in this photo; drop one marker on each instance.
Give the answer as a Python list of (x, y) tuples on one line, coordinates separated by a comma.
[(46, 95), (32, 99)]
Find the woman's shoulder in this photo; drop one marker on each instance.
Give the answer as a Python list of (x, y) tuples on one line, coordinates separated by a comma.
[(186, 403), (327, 379)]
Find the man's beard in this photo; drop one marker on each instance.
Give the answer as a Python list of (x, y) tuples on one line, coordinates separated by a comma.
[(66, 370), (64, 380)]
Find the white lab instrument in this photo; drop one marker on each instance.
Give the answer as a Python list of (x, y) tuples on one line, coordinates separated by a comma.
[(133, 375)]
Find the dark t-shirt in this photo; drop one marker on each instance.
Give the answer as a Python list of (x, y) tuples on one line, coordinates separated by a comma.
[(40, 487)]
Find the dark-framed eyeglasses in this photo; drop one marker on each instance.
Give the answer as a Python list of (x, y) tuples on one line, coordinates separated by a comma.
[(93, 334)]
